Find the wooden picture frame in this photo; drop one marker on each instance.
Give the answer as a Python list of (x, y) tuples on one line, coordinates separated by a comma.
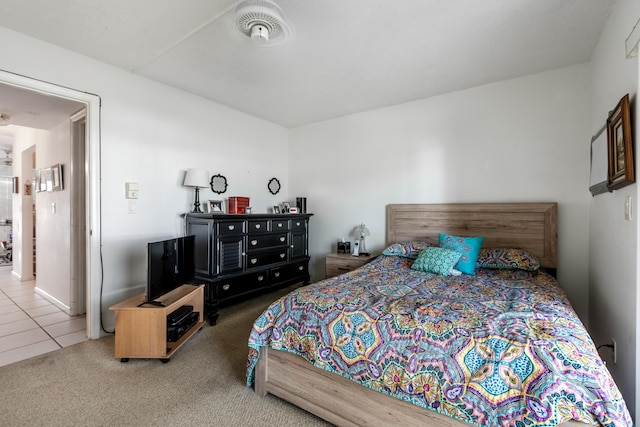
[(620, 147)]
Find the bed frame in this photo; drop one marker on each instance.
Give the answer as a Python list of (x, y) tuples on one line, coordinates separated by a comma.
[(528, 226)]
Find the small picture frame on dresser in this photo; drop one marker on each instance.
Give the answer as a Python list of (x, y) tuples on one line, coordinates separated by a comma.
[(276, 209), (216, 206), (285, 207)]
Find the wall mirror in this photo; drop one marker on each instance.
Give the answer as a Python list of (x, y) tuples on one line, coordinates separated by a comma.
[(218, 184), (274, 186)]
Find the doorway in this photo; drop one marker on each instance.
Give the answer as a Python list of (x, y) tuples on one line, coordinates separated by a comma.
[(85, 203)]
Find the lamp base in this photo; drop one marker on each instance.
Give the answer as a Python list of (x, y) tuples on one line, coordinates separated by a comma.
[(196, 204)]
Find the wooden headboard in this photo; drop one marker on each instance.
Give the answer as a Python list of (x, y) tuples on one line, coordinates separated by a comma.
[(528, 226)]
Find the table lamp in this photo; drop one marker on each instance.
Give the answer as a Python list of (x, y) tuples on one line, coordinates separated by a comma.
[(360, 232), (198, 179)]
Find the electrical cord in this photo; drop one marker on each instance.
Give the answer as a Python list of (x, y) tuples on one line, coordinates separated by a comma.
[(100, 215)]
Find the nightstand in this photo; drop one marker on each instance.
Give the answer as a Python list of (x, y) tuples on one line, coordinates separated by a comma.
[(342, 263)]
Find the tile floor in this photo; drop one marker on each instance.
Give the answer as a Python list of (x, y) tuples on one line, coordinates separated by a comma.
[(29, 324)]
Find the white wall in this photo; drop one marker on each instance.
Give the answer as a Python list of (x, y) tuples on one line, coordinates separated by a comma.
[(150, 134), (25, 140), (53, 218), (613, 241), (53, 226), (520, 140)]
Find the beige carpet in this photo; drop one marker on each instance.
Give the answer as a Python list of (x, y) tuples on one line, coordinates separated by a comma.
[(202, 385)]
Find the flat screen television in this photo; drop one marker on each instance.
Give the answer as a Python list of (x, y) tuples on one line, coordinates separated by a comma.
[(170, 264)]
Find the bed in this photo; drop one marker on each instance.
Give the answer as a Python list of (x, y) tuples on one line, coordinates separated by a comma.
[(389, 345)]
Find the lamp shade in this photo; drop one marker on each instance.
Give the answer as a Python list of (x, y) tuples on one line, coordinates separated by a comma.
[(361, 231), (196, 178)]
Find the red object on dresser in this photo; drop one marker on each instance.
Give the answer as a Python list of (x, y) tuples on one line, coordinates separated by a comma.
[(238, 204)]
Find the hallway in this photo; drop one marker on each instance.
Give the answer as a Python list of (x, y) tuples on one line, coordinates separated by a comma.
[(29, 324)]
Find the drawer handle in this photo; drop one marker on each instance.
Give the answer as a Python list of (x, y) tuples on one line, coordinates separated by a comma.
[(257, 225), (301, 268), (226, 287), (280, 224), (297, 224), (254, 242), (260, 278), (343, 269), (254, 260), (277, 274), (282, 239), (231, 227), (283, 255)]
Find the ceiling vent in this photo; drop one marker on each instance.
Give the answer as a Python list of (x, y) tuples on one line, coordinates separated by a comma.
[(261, 22)]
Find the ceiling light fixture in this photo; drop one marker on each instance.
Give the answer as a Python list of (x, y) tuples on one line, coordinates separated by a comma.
[(4, 120), (262, 22)]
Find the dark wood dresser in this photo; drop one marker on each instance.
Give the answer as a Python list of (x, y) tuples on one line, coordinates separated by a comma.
[(237, 255)]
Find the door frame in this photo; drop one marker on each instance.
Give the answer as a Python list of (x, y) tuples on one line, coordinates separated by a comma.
[(93, 235)]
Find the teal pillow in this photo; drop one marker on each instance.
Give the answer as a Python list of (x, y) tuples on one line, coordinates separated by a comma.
[(469, 247), (436, 260)]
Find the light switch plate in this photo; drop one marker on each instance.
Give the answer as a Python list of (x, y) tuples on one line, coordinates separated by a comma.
[(131, 190)]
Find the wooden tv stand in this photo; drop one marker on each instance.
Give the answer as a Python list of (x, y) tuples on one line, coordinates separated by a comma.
[(141, 329)]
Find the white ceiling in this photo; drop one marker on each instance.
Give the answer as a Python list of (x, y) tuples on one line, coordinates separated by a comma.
[(34, 109), (343, 57)]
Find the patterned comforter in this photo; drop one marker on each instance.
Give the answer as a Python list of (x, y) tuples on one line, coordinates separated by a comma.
[(502, 348)]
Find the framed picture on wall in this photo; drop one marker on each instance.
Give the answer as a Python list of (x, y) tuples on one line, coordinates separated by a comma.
[(48, 173), (42, 179), (56, 171), (35, 180), (620, 152)]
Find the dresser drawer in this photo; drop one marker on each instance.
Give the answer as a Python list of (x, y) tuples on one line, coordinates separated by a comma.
[(293, 272), (230, 227), (298, 224), (336, 264), (297, 272), (260, 226), (240, 285), (267, 241), (279, 225), (261, 259)]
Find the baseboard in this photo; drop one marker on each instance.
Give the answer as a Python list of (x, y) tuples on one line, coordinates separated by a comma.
[(62, 306), (22, 278)]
